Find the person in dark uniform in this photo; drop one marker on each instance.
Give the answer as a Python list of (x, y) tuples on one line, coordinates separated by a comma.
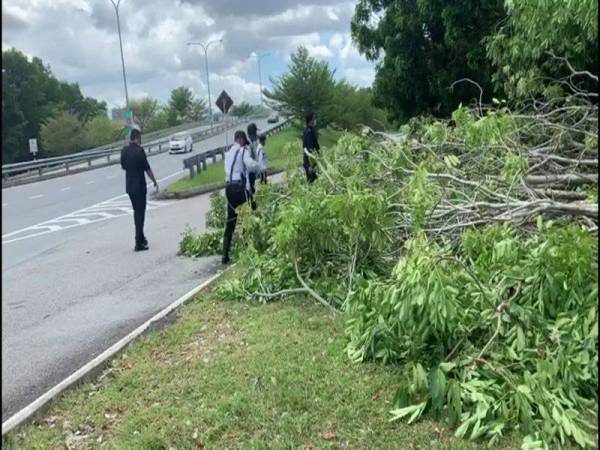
[(310, 144), (238, 165), (252, 145), (135, 164)]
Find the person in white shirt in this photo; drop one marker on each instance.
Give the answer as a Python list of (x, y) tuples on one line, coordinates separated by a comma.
[(238, 165), (262, 158)]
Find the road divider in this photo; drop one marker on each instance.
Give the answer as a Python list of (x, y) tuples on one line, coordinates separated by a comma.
[(32, 171)]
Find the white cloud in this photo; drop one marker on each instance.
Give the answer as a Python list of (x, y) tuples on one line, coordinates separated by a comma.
[(78, 39)]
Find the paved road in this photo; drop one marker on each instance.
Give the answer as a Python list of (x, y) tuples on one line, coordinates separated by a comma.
[(73, 286)]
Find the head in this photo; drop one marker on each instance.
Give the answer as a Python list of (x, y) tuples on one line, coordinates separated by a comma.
[(252, 131), (135, 136), (262, 139), (311, 119), (240, 138)]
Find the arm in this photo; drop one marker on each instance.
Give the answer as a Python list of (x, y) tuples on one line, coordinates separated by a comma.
[(148, 170), (251, 164)]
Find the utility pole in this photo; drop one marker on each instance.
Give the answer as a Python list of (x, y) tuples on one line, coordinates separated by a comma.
[(205, 48), (116, 6), (258, 58)]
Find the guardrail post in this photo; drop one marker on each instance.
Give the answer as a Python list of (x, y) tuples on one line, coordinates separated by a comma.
[(89, 162), (40, 171), (108, 158), (214, 158), (203, 162), (191, 171), (67, 167)]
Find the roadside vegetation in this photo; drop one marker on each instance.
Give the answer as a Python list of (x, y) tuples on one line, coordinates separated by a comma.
[(236, 375)]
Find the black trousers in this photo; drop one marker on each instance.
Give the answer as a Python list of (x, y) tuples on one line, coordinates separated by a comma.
[(252, 179), (138, 202), (263, 177), (236, 196), (311, 175)]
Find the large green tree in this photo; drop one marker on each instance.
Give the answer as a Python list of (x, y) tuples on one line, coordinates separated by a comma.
[(180, 104), (243, 109), (536, 33), (63, 134), (197, 112), (143, 110), (101, 131), (309, 85), (31, 94), (422, 47)]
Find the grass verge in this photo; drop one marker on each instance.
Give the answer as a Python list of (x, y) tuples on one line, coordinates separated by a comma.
[(278, 155), (236, 375)]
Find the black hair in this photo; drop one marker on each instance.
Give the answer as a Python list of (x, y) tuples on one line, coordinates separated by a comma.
[(240, 134), (135, 135), (252, 131), (262, 139), (310, 117)]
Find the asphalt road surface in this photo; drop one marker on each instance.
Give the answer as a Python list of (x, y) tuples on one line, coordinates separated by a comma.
[(72, 284)]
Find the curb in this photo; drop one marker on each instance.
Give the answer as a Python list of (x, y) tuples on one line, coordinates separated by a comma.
[(53, 394), (201, 190)]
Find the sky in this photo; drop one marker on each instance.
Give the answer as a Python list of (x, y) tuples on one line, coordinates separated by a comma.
[(78, 39)]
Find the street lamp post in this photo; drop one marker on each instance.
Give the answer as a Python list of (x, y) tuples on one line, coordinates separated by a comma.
[(116, 6), (258, 58), (205, 48)]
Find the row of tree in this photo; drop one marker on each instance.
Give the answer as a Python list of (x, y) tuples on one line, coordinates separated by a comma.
[(310, 86), (30, 95), (508, 48), (35, 104)]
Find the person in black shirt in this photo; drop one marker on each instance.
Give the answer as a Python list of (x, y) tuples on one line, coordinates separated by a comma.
[(252, 144), (135, 163), (310, 144)]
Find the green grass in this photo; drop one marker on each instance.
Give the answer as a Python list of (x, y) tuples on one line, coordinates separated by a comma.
[(278, 156), (236, 375)]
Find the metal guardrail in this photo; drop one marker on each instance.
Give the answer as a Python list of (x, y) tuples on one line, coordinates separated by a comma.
[(68, 161), (197, 163)]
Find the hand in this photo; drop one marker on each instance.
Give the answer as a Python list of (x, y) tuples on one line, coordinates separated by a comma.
[(156, 186)]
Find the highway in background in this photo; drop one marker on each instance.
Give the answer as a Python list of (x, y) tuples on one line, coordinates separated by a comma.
[(73, 286)]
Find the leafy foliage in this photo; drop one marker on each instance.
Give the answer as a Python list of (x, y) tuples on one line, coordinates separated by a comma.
[(426, 45), (63, 134), (101, 130), (490, 314), (144, 110), (31, 95), (522, 48), (310, 86), (243, 109)]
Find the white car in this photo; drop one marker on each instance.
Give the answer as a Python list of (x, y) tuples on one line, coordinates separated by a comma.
[(180, 143)]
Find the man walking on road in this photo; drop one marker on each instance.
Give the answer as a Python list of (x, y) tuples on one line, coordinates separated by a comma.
[(135, 164)]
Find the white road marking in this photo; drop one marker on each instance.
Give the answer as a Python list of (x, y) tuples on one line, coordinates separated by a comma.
[(36, 196), (108, 209), (89, 182), (66, 188)]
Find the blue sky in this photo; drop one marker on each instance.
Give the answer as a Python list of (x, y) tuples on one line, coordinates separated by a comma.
[(78, 39)]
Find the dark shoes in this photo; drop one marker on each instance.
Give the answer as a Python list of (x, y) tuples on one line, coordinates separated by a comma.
[(253, 205), (225, 260), (141, 246)]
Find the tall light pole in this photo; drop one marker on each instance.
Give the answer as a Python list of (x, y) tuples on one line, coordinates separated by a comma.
[(258, 58), (205, 48), (116, 5)]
